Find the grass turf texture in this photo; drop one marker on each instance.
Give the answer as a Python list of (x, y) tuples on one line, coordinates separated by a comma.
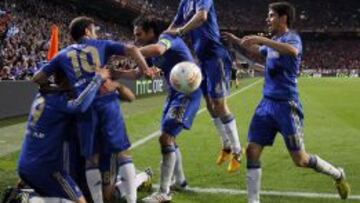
[(331, 131)]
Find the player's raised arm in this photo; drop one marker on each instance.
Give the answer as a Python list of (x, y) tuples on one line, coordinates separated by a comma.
[(196, 20), (178, 18)]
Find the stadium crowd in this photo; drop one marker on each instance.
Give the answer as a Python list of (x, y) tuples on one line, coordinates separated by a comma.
[(25, 46), (332, 54), (251, 16)]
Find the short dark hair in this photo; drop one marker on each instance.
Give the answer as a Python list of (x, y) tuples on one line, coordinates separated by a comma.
[(78, 25), (147, 23), (284, 8)]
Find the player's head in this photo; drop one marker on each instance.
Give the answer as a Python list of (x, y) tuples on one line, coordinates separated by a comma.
[(281, 16), (147, 30), (81, 27)]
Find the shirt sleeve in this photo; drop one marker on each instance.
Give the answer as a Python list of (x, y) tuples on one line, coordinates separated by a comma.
[(294, 40), (166, 41), (114, 48), (86, 97), (203, 5), (263, 50)]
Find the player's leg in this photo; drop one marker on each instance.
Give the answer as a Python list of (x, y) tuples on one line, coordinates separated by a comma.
[(108, 168), (262, 133), (167, 143), (87, 123), (142, 182), (127, 173), (254, 172), (93, 178), (179, 112), (93, 175), (178, 181), (37, 199), (237, 79), (292, 130), (225, 153), (51, 186), (167, 166), (189, 105), (114, 131), (218, 72), (115, 187), (75, 166)]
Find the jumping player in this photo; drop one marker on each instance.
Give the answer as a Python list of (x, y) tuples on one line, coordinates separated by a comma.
[(198, 19)]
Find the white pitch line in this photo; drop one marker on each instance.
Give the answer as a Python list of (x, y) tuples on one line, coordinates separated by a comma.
[(157, 133), (267, 193)]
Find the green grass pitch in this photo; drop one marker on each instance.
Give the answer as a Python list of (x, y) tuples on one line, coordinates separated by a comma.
[(332, 130)]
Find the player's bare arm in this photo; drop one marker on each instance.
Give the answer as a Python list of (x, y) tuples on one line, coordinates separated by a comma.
[(196, 21), (40, 78), (153, 50), (125, 93), (233, 39), (132, 74), (134, 53)]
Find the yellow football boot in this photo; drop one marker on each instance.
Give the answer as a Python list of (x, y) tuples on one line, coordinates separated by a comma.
[(224, 155)]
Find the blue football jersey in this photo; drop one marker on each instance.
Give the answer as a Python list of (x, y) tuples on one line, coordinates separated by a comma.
[(281, 70), (49, 119), (78, 61), (176, 52), (206, 38)]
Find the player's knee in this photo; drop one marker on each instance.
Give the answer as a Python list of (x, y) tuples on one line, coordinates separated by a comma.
[(220, 107), (92, 162), (253, 152), (166, 140), (81, 200), (210, 108), (124, 155)]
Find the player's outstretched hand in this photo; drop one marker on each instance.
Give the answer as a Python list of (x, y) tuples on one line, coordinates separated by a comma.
[(152, 72), (229, 37), (252, 40)]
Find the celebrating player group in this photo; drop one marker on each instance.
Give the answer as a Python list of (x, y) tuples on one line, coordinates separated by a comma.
[(76, 144)]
